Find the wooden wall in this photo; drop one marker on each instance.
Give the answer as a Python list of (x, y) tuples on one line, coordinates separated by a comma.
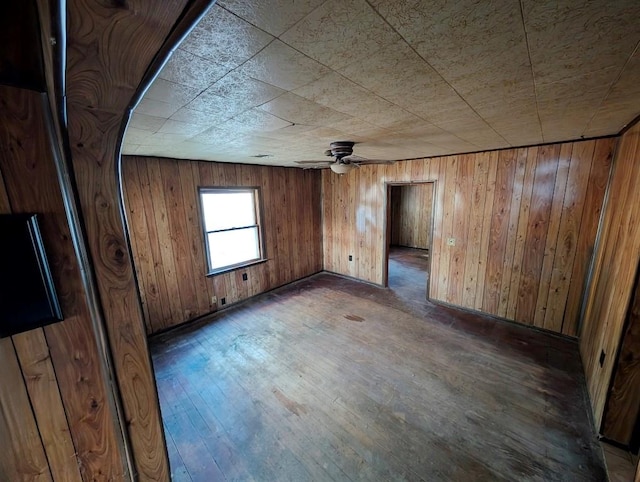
[(614, 272), (161, 199), (623, 403), (524, 221), (55, 416), (411, 215)]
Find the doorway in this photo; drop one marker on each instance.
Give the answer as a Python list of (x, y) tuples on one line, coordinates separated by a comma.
[(408, 243)]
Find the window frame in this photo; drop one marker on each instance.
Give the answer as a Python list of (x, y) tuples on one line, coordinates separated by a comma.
[(257, 206)]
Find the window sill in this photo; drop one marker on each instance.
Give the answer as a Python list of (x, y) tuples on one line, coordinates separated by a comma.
[(235, 267)]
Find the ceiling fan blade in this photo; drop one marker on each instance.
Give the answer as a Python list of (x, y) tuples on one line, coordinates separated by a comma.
[(353, 159), (373, 161), (314, 162)]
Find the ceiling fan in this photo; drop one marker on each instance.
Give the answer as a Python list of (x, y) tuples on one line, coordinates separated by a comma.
[(343, 158)]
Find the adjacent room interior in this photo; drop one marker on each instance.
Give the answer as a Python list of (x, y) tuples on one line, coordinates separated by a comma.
[(322, 240)]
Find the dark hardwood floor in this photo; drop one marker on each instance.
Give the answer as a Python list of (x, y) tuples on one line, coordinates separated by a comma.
[(331, 379)]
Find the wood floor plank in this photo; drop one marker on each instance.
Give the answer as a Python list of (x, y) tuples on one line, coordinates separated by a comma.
[(331, 379)]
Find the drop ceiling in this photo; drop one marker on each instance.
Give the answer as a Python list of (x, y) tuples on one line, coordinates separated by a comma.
[(275, 81)]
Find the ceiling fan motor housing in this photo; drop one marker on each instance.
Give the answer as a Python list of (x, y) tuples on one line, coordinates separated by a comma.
[(340, 149)]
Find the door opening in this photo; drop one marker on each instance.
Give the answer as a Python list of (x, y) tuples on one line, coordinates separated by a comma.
[(408, 243)]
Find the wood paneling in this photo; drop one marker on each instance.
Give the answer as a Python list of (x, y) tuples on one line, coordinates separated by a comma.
[(517, 217), (111, 46), (60, 364), (411, 215), (163, 210), (616, 262), (623, 404)]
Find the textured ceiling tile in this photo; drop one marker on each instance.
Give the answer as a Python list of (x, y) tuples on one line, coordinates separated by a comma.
[(254, 121), (240, 90), (568, 105), (164, 140), (289, 133), (299, 110), (401, 76), (340, 32), (621, 105), (478, 47), (280, 65), (268, 14), (172, 93), (224, 38), (183, 128), (214, 106), (568, 39), (137, 136), (156, 108), (335, 91), (212, 135), (192, 116), (188, 69), (129, 149), (460, 82), (341, 94), (474, 131), (146, 122)]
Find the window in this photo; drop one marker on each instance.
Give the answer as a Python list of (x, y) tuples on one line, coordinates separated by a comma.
[(232, 232)]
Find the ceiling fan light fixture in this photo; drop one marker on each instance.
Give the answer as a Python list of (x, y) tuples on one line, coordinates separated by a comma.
[(340, 168)]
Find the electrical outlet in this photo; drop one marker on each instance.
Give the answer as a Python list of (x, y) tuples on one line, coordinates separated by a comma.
[(350, 257), (223, 301), (602, 357), (451, 241), (244, 276), (214, 300)]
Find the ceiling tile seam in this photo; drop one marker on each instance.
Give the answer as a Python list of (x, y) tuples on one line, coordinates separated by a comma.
[(439, 74), (340, 74), (610, 89), (533, 73), (259, 80), (199, 57), (346, 78), (419, 116)]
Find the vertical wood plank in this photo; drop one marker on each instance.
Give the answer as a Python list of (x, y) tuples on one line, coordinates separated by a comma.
[(483, 261), (557, 201), (462, 203), (506, 284), (521, 233), (543, 188), (569, 229), (451, 168), (23, 456), (591, 210), (499, 229), (474, 236), (140, 244), (44, 395), (616, 262)]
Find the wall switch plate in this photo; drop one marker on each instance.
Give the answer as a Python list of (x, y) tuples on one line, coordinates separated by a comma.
[(451, 241), (214, 300), (244, 276)]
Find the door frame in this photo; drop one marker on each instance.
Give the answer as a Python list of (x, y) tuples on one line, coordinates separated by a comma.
[(387, 227)]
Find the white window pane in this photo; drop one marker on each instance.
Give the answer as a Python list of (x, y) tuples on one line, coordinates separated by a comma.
[(231, 247), (224, 210)]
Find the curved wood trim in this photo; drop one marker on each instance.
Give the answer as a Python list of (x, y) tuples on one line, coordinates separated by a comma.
[(110, 45)]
